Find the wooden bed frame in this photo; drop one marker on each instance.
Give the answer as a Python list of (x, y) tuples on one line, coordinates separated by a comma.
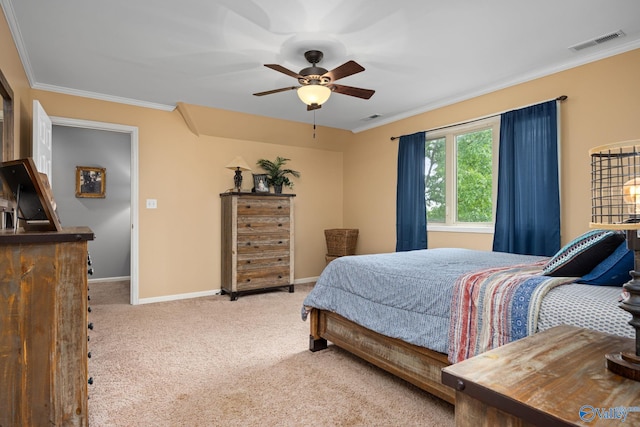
[(418, 365)]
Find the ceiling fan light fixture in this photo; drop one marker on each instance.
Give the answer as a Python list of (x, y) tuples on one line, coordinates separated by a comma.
[(314, 94)]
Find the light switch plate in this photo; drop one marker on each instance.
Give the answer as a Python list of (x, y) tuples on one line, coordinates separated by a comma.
[(152, 203)]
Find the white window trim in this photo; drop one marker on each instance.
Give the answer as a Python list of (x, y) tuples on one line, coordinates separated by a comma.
[(481, 229), (449, 133)]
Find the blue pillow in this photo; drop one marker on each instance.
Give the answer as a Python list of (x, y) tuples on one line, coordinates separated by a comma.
[(613, 271), (583, 253)]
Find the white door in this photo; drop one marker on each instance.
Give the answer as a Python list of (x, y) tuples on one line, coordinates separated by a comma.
[(41, 140)]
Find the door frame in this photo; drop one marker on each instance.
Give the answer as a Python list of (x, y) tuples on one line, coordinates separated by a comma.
[(42, 129), (133, 133)]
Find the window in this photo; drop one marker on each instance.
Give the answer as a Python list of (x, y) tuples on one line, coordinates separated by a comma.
[(461, 164)]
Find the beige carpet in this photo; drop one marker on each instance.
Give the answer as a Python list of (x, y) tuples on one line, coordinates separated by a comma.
[(213, 362)]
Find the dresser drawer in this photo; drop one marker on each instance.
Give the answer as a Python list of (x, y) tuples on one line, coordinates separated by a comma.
[(263, 207), (263, 224), (263, 278), (264, 242), (262, 260)]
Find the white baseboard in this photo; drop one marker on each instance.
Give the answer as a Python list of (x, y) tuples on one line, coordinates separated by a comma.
[(176, 297), (109, 279)]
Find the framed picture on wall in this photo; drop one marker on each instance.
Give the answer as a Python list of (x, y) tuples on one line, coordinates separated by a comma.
[(260, 184), (90, 181)]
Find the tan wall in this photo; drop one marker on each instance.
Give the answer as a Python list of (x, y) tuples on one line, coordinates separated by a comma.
[(603, 107), (13, 71), (180, 241)]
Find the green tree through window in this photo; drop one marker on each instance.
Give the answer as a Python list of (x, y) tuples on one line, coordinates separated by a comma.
[(474, 176), (459, 169), (434, 179)]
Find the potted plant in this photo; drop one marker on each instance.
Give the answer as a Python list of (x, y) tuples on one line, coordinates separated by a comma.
[(276, 174)]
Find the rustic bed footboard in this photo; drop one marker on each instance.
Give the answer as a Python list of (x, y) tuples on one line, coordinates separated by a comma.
[(420, 366)]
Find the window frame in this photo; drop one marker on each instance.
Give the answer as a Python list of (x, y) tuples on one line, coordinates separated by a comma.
[(450, 133)]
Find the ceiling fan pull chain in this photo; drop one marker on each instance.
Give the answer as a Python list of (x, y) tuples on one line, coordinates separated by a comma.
[(314, 124)]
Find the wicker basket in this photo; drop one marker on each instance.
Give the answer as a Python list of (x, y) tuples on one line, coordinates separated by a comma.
[(329, 258), (341, 241)]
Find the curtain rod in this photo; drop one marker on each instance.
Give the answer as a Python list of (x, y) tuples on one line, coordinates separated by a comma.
[(560, 98)]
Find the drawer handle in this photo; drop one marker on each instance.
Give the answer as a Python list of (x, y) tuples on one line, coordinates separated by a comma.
[(249, 262), (279, 259), (279, 207), (279, 225), (248, 280), (248, 225), (280, 242), (248, 243), (248, 206), (279, 276)]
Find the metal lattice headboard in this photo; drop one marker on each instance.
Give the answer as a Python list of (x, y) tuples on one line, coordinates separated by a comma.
[(615, 186)]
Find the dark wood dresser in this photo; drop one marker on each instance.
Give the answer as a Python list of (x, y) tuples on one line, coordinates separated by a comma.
[(43, 327), (257, 242)]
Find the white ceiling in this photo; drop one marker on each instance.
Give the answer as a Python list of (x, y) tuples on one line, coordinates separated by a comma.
[(418, 54)]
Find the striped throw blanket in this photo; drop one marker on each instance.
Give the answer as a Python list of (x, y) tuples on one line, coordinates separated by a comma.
[(495, 306)]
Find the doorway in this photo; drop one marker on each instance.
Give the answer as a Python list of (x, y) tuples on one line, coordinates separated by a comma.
[(130, 134)]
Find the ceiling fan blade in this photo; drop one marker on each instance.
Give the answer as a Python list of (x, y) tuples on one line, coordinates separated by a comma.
[(313, 107), (283, 70), (353, 91), (344, 70), (269, 92)]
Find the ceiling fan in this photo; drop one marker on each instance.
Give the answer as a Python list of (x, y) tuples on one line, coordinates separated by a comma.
[(316, 83)]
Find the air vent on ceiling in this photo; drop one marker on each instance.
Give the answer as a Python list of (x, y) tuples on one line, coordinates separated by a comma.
[(371, 117), (599, 40)]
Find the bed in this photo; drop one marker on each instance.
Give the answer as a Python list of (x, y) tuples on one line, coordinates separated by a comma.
[(413, 313)]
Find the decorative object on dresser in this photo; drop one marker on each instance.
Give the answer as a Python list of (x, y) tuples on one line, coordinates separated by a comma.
[(257, 242), (276, 174), (615, 198), (43, 340), (340, 242), (7, 213), (260, 183), (238, 165)]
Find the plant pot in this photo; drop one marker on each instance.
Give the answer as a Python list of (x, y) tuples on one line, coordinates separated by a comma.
[(277, 189)]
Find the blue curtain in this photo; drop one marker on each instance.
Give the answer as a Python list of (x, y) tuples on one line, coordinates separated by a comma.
[(528, 205), (411, 209)]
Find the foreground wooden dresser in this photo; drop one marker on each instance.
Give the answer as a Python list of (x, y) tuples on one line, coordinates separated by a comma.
[(257, 242), (553, 378), (43, 328)]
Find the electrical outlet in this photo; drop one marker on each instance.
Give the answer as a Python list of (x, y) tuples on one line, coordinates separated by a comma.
[(152, 203)]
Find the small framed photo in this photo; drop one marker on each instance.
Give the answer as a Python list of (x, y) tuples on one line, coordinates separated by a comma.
[(90, 181), (260, 184)]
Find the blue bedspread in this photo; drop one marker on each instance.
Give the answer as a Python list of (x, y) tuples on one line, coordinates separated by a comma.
[(405, 295)]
